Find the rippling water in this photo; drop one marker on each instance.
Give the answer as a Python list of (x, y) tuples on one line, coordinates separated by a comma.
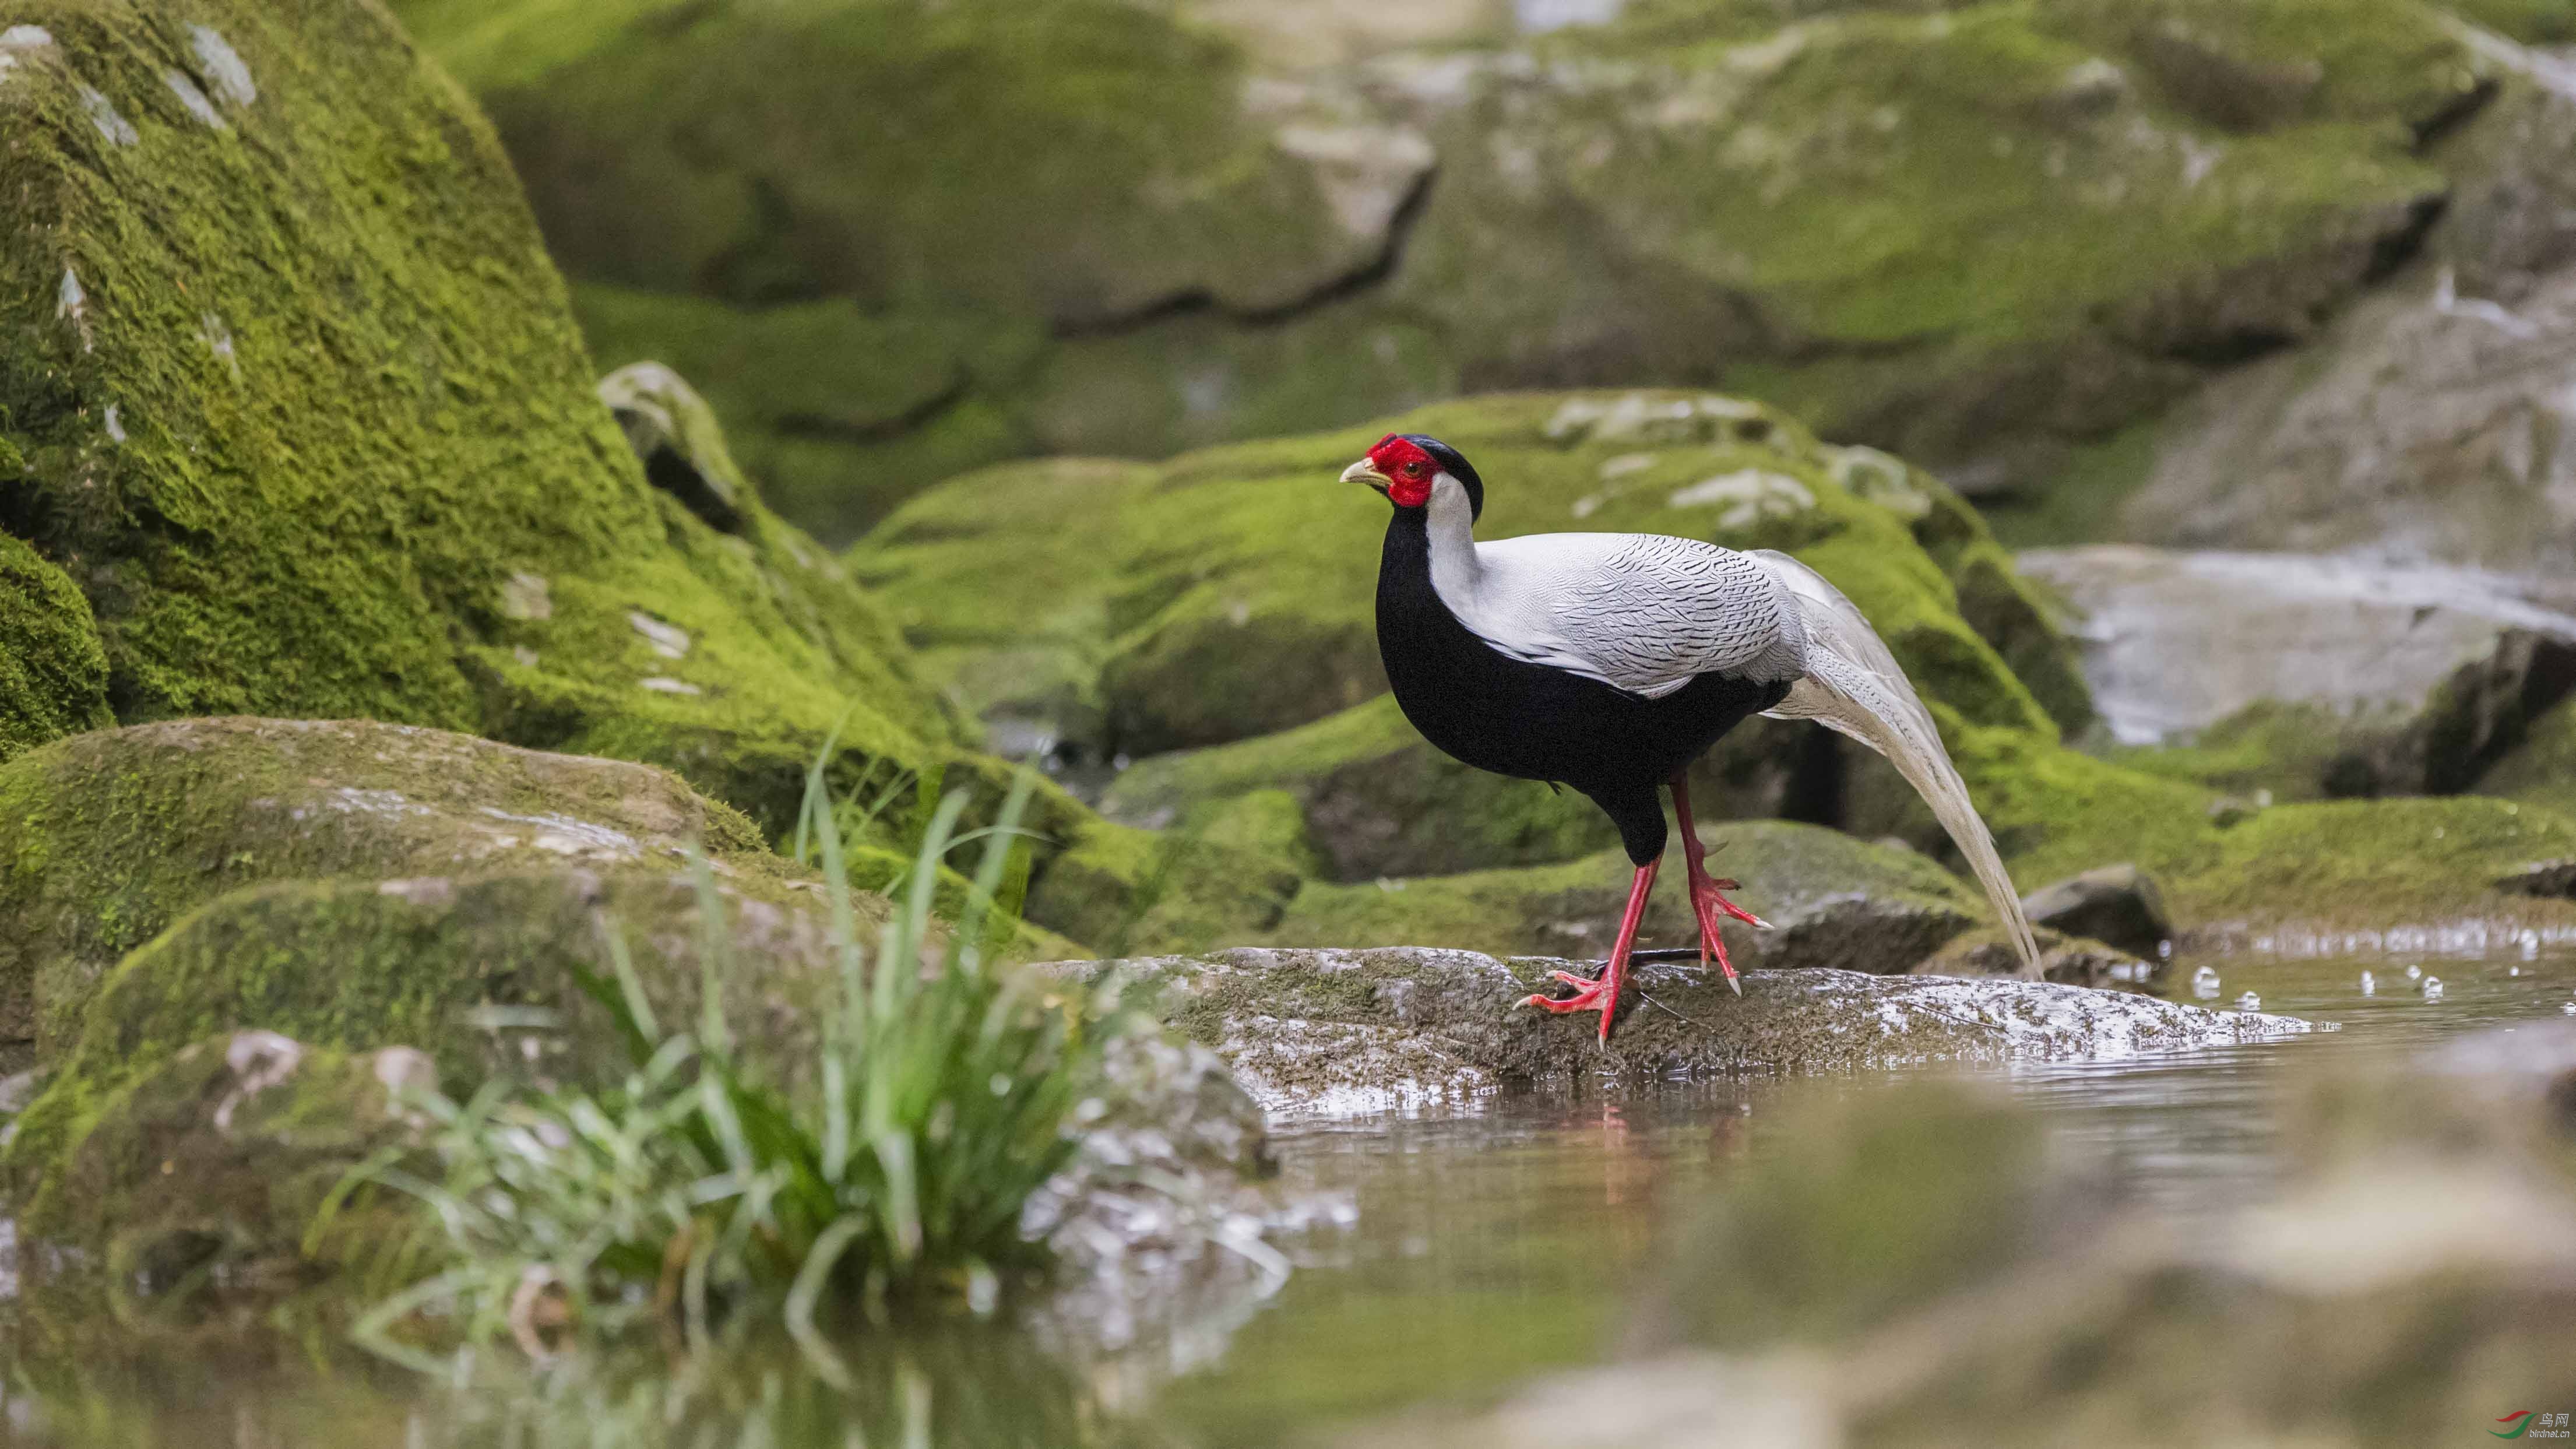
[(1481, 1245)]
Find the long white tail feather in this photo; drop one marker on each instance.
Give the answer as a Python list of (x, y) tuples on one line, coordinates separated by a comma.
[(1854, 687)]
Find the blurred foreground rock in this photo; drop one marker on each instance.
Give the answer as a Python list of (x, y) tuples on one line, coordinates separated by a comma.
[(1357, 1031), (1926, 1268)]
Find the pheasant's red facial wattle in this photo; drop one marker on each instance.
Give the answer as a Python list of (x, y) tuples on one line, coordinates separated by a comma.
[(1409, 471)]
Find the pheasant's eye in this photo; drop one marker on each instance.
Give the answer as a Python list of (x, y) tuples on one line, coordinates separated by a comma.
[(1413, 470)]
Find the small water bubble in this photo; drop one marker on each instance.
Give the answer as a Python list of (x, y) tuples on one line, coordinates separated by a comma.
[(2249, 1002), (2204, 983), (2369, 984), (2432, 988), (2414, 973), (2513, 971), (2568, 1010)]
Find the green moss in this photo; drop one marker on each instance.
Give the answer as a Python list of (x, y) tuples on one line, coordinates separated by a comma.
[(1789, 873), (1224, 874), (107, 839), (356, 965), (260, 1130), (2368, 862), (53, 674), (2288, 751), (369, 386), (1009, 607), (2542, 771), (1376, 798)]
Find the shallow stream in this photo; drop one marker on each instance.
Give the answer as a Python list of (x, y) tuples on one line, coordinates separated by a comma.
[(1453, 1254)]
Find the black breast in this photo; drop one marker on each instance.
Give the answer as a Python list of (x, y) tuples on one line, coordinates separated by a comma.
[(1537, 722)]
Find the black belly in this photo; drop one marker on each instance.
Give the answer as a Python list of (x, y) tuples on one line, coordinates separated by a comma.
[(1512, 717)]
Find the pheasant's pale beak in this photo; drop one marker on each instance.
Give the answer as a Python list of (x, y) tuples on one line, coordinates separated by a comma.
[(1365, 471)]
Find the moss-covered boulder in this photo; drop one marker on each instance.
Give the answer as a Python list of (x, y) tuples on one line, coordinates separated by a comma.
[(484, 972), (108, 839), (1358, 1031), (224, 1155), (53, 674), (293, 396), (1985, 234)]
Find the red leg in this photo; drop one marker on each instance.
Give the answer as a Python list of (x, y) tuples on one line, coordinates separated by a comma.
[(1706, 902), (1603, 995)]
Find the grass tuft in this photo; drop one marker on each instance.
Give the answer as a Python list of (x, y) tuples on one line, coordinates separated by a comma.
[(704, 1191)]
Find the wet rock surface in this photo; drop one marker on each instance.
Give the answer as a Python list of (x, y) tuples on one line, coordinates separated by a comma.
[(1354, 1031)]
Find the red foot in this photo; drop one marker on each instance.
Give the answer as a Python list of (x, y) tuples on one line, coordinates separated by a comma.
[(1603, 995), (1589, 995), (1706, 902)]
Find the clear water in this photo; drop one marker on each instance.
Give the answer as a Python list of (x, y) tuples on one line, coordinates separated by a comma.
[(1486, 1244)]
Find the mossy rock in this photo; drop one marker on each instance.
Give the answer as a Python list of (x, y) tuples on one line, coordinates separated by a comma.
[(222, 1158), (933, 190), (1227, 872), (1983, 234), (1834, 902), (112, 837), (2542, 769), (53, 674), (1238, 596), (353, 466), (483, 972)]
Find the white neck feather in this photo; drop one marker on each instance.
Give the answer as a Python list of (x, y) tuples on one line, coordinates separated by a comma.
[(1454, 567)]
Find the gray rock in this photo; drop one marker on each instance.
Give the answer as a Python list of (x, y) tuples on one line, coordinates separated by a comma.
[(2117, 904), (1331, 1031), (2429, 422), (2417, 677)]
